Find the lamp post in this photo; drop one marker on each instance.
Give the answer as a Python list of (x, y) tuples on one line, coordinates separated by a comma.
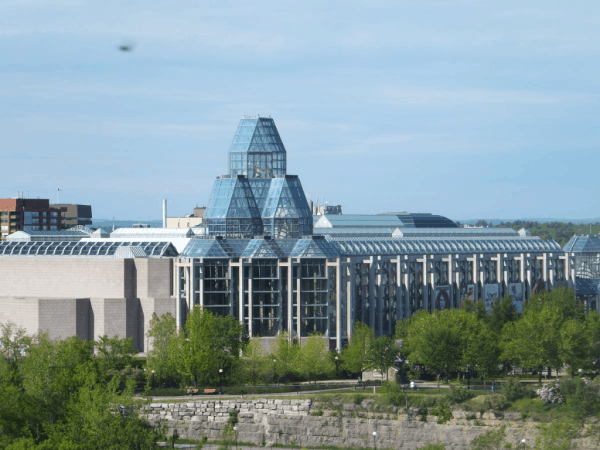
[(221, 381), (523, 441), (152, 386), (274, 372), (337, 364), (374, 442), (235, 436), (468, 376), (580, 372)]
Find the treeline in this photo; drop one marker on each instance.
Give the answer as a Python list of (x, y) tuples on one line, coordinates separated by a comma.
[(55, 394), (214, 350), (553, 332)]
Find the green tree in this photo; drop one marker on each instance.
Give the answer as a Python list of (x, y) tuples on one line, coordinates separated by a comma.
[(574, 344), (254, 363), (313, 358), (592, 327), (355, 357), (13, 342), (114, 353), (503, 311), (209, 343), (382, 354), (162, 335), (285, 353)]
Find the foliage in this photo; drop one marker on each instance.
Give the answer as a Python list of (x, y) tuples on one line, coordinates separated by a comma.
[(495, 402), (55, 396), (209, 344), (514, 390), (432, 446), (393, 394), (382, 354), (442, 411), (162, 335), (313, 359), (254, 364), (355, 357), (557, 435), (285, 352), (459, 395), (490, 440), (583, 399)]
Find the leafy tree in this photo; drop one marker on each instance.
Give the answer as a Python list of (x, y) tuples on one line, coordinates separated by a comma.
[(483, 351), (573, 344), (162, 335), (254, 364), (355, 357), (503, 311), (285, 353), (114, 353), (209, 343), (314, 360), (592, 326), (383, 353)]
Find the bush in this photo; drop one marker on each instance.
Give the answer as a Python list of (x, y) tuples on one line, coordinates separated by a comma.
[(357, 398), (443, 412), (392, 393), (491, 440), (582, 398), (495, 402), (432, 446), (514, 390), (459, 395)]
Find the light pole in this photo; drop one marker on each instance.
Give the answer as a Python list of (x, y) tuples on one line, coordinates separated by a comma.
[(221, 381), (274, 372), (152, 379), (337, 363), (580, 372), (523, 441), (235, 436), (374, 442)]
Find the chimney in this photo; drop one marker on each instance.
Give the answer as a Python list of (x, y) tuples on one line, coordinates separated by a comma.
[(165, 213)]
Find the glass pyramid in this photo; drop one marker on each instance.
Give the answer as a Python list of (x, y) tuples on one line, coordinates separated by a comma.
[(257, 150)]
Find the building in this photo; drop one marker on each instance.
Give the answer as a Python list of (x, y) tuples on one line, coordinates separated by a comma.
[(27, 214), (73, 215), (260, 256), (188, 221), (585, 254)]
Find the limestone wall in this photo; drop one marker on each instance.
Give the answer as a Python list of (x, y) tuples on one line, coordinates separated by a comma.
[(293, 422)]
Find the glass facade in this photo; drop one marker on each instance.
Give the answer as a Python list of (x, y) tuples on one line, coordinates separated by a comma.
[(257, 150)]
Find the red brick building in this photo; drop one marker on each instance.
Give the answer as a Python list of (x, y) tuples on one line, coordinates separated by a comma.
[(27, 214)]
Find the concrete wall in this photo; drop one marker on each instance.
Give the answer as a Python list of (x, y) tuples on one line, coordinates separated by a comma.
[(87, 297), (67, 277)]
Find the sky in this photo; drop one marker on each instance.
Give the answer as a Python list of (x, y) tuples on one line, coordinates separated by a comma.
[(469, 109)]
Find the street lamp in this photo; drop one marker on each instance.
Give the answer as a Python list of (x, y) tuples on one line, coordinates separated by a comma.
[(580, 372), (523, 441), (274, 372), (235, 436), (221, 381), (152, 379), (374, 443), (337, 363)]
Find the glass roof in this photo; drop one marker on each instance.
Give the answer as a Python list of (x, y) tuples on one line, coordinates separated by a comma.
[(583, 244), (315, 247), (390, 246), (87, 249), (587, 286), (286, 199), (231, 198)]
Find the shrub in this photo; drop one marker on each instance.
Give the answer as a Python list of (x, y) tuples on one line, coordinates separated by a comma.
[(459, 395), (495, 402), (357, 398), (432, 446), (581, 397), (392, 393), (443, 412), (319, 412), (514, 390), (491, 440)]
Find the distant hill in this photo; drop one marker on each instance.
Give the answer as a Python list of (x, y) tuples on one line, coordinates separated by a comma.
[(543, 220), (107, 224)]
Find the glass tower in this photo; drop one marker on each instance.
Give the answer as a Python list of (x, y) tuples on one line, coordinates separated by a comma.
[(257, 150)]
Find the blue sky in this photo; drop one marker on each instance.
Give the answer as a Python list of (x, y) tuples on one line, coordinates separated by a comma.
[(463, 108)]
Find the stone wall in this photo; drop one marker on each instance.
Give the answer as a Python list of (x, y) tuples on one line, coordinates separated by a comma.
[(299, 422)]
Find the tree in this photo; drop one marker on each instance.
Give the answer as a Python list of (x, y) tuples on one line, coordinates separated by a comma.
[(313, 358), (13, 342), (285, 353), (355, 357), (254, 364), (574, 344), (114, 353), (162, 335), (503, 311), (382, 354), (209, 343)]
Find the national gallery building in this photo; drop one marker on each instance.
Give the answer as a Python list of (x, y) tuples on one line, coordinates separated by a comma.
[(261, 256)]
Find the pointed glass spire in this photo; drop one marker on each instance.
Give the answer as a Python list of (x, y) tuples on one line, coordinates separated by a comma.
[(257, 150)]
